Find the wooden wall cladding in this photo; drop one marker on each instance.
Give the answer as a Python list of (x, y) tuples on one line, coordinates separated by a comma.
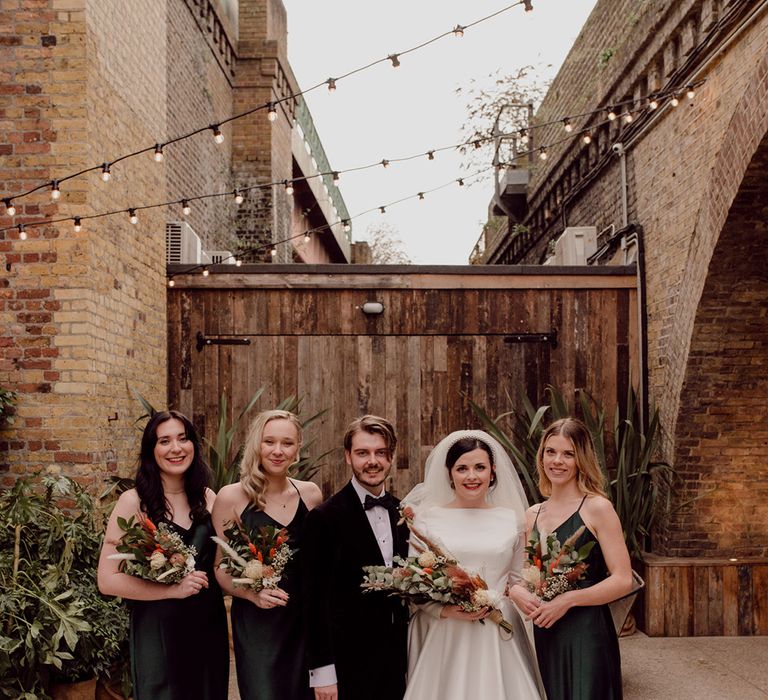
[(443, 338), (690, 597)]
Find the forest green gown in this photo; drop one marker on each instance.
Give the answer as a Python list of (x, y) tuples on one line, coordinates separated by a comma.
[(180, 647), (270, 643), (579, 655)]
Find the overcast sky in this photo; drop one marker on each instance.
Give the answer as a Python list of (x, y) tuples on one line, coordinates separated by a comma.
[(385, 112)]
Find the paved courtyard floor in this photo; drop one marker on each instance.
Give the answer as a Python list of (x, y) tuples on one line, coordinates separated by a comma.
[(683, 668)]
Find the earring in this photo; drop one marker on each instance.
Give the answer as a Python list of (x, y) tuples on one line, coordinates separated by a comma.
[(493, 479)]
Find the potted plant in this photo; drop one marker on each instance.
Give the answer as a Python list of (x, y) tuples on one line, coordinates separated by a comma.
[(55, 627)]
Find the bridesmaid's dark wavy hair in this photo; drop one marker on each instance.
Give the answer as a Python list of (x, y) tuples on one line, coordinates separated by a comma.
[(149, 485), (468, 444)]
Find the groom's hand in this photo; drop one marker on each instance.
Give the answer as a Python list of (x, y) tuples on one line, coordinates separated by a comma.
[(327, 692)]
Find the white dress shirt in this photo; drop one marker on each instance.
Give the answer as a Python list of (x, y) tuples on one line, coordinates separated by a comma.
[(378, 517)]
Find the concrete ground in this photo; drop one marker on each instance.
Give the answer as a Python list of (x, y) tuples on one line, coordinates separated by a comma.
[(683, 668)]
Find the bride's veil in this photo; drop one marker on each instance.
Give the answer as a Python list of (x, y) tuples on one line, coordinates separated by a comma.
[(436, 490)]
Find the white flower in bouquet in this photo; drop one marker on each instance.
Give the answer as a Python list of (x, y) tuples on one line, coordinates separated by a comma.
[(253, 570), (487, 598), (157, 561), (427, 559)]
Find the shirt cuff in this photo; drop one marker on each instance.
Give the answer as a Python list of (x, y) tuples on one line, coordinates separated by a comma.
[(320, 677)]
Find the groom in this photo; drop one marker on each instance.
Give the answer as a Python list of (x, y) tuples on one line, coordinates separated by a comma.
[(356, 642)]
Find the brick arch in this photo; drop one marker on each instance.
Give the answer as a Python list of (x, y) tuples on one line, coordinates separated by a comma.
[(719, 428)]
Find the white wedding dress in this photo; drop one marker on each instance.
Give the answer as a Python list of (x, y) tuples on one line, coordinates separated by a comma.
[(451, 659)]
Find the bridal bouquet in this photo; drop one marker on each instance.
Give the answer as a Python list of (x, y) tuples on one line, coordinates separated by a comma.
[(553, 569), (433, 576), (153, 552), (254, 559)]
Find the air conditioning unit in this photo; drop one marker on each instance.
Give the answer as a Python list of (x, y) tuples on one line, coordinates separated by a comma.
[(575, 245), (182, 244), (221, 257)]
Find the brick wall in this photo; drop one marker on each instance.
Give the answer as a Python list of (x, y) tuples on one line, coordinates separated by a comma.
[(83, 315), (686, 167)]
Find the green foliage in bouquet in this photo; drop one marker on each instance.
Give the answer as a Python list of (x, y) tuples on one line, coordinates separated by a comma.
[(54, 623), (636, 479)]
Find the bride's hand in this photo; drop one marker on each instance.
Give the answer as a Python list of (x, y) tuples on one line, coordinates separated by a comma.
[(458, 613), (525, 601)]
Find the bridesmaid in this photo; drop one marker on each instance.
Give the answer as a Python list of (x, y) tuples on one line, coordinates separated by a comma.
[(576, 642), (267, 627), (178, 637)]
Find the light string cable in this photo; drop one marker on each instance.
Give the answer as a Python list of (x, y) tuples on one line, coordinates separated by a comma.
[(306, 234), (215, 127), (238, 192)]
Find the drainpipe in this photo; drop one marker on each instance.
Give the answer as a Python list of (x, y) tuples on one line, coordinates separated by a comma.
[(620, 151)]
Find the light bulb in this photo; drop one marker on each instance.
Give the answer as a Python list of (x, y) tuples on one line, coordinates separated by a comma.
[(543, 153), (78, 225), (567, 125), (307, 238), (346, 226), (586, 139), (395, 60), (331, 84), (690, 92), (288, 186), (458, 31), (218, 137), (185, 208), (105, 174), (383, 210), (271, 112), (22, 233), (528, 6), (385, 162), (336, 177), (55, 191), (524, 136), (132, 216), (611, 114), (460, 181), (653, 104), (628, 118), (9, 208), (273, 252), (171, 282), (421, 195), (205, 272), (238, 263), (430, 155), (674, 101), (238, 196), (158, 153)]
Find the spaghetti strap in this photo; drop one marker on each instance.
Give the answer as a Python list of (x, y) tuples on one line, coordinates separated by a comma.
[(582, 503), (536, 519)]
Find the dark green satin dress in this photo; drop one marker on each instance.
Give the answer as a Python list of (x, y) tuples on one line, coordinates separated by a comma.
[(579, 655), (180, 648), (270, 643)]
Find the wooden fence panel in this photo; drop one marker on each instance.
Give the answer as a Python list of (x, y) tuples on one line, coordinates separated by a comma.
[(444, 338)]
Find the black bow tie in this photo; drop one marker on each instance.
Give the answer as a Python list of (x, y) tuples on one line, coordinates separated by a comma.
[(386, 501)]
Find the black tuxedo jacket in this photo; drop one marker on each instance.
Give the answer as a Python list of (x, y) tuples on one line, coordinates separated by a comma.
[(363, 635)]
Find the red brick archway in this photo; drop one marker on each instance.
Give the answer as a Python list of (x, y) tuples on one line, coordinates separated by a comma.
[(722, 342)]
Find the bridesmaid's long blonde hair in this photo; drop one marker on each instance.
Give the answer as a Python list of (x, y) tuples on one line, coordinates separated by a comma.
[(251, 475), (590, 477)]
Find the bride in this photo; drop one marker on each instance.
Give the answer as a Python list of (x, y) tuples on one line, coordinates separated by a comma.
[(472, 503)]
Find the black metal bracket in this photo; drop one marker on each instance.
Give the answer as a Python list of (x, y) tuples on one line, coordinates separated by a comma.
[(202, 341), (550, 338)]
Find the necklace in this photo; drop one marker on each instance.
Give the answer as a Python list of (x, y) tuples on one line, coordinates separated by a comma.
[(284, 504), (173, 493)]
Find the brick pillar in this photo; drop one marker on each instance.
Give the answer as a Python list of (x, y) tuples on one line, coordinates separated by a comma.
[(261, 148)]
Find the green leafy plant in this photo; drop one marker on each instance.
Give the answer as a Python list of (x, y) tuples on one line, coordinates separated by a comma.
[(636, 479), (54, 623)]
